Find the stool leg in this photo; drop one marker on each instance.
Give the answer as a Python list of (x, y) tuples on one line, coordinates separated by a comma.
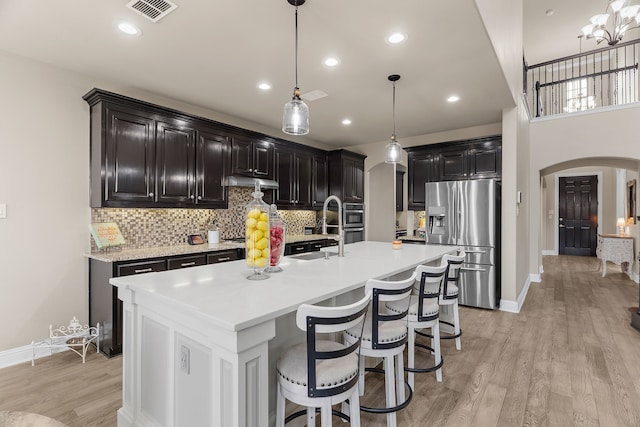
[(311, 416), (400, 377), (389, 381), (326, 415), (280, 408), (456, 324), (435, 331), (410, 354), (361, 376), (354, 408)]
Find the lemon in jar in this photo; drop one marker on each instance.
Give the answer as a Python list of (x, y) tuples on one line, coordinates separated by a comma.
[(251, 223), (254, 213), (262, 225), (261, 262)]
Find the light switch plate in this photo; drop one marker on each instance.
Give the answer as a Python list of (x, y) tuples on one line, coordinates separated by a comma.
[(3, 210)]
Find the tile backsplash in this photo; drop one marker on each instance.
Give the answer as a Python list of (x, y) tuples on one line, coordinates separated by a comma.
[(144, 228)]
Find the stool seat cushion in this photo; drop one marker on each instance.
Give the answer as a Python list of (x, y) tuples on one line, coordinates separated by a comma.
[(388, 331), (430, 307), (452, 290), (292, 365)]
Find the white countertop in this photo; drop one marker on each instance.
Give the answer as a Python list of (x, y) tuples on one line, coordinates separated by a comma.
[(222, 293)]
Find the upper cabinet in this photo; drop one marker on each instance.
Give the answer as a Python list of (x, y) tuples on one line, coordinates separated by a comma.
[(451, 161), (346, 171), (293, 170), (253, 158), (146, 156), (319, 180)]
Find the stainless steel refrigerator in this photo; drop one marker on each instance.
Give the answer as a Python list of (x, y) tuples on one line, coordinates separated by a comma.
[(467, 214)]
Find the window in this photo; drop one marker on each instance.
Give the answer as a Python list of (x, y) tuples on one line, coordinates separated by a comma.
[(577, 96)]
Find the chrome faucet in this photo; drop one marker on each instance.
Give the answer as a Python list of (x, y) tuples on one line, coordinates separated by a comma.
[(340, 237)]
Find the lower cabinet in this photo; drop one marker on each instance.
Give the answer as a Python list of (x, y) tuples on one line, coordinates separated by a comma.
[(309, 246), (105, 307)]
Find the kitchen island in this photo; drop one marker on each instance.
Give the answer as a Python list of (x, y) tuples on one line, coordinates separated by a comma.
[(196, 342)]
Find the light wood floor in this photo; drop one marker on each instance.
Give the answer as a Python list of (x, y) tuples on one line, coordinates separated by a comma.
[(569, 358)]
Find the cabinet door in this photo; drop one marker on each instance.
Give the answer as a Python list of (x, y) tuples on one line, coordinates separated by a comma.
[(453, 165), (320, 181), (349, 180), (303, 168), (399, 191), (420, 172), (358, 181), (284, 174), (222, 256), (242, 157), (263, 153), (213, 161), (175, 163), (485, 160), (129, 164)]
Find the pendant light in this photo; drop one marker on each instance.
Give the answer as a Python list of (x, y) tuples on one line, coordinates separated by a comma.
[(295, 120), (393, 147)]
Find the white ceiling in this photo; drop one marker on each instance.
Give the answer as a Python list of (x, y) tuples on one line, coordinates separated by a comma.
[(212, 53)]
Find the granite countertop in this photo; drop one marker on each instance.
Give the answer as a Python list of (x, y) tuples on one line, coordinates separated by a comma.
[(115, 254)]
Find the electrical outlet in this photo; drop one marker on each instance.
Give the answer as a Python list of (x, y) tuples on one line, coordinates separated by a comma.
[(185, 359), (3, 210)]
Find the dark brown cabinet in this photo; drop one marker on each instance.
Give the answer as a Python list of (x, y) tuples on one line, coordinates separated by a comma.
[(252, 158), (319, 180), (293, 171), (105, 307), (346, 172), (145, 156), (399, 191), (451, 161)]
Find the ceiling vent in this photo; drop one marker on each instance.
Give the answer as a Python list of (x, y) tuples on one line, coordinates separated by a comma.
[(154, 10), (313, 95)]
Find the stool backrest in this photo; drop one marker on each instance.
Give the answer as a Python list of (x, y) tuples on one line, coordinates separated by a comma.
[(317, 320), (453, 273), (384, 291), (426, 274)]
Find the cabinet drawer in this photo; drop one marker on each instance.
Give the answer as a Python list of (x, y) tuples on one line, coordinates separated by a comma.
[(140, 267), (317, 245), (296, 248), (222, 256), (186, 261)]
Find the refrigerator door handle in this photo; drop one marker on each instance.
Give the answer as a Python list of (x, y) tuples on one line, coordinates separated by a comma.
[(472, 269), (469, 251)]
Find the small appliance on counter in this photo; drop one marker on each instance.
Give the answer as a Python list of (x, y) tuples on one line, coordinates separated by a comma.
[(213, 234)]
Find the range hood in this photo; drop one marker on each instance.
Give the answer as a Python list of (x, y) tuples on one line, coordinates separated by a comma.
[(245, 181)]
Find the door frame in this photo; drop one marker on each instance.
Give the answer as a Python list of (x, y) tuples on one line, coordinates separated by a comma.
[(556, 203)]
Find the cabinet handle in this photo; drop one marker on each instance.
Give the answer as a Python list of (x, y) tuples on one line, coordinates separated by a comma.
[(293, 201), (199, 197), (187, 264), (301, 248), (191, 197), (250, 170), (143, 270), (151, 194), (226, 258)]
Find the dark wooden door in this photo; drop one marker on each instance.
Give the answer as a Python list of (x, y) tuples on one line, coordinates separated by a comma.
[(285, 194), (420, 172), (320, 179), (129, 164), (263, 159), (175, 164), (485, 160), (242, 157), (399, 191), (578, 215), (303, 167), (213, 161), (453, 165)]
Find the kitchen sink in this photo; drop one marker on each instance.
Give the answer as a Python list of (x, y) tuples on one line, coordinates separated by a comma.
[(312, 255)]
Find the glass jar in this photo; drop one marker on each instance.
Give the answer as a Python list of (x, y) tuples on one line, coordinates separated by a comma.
[(277, 233), (257, 235)]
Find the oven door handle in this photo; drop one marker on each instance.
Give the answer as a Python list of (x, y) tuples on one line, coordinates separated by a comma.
[(348, 211), (353, 229)]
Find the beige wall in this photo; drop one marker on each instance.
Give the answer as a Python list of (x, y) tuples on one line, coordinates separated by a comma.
[(44, 180)]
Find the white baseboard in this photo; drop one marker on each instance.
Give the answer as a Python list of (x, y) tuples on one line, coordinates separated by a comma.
[(515, 306), (549, 252), (18, 355)]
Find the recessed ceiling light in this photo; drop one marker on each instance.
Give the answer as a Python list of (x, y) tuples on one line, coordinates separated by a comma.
[(331, 62), (396, 38), (264, 86), (549, 12), (453, 98), (346, 122), (129, 29)]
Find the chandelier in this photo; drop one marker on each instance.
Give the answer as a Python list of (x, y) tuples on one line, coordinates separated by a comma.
[(625, 17), (295, 120)]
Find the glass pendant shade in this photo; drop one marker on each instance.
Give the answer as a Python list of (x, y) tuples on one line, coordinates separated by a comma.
[(295, 120), (393, 152)]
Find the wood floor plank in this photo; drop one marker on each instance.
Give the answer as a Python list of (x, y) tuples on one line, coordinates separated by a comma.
[(569, 358)]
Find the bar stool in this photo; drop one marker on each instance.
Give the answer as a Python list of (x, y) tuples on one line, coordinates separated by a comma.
[(319, 372), (449, 294), (423, 313), (385, 335)]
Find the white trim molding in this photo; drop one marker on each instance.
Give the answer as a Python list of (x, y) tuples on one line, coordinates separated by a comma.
[(552, 252), (516, 306), (18, 355)]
